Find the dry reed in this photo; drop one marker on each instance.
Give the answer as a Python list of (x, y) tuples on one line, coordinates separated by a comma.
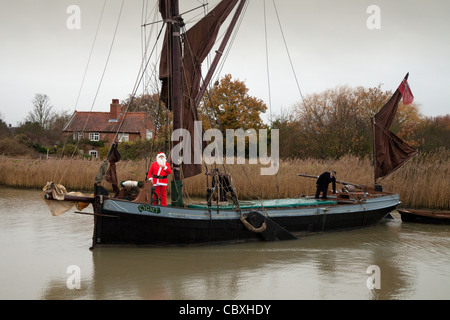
[(421, 183)]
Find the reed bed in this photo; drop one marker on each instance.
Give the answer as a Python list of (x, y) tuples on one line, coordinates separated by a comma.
[(421, 183), (424, 181), (74, 174)]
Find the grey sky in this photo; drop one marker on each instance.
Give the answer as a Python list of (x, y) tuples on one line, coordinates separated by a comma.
[(329, 43)]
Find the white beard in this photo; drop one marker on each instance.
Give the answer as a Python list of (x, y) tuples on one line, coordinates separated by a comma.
[(161, 162)]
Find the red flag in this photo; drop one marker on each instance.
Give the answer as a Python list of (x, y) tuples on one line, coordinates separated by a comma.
[(405, 90)]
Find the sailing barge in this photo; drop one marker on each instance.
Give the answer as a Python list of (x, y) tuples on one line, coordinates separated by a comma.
[(124, 222), (136, 221)]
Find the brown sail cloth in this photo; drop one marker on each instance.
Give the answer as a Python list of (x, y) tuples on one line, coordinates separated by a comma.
[(198, 42), (391, 152)]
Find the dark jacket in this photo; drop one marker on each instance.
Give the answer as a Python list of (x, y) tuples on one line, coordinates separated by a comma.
[(324, 179)]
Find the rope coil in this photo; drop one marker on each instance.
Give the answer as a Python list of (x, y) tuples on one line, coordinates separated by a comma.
[(252, 228)]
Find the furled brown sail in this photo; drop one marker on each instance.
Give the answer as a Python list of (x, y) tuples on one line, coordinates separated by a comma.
[(391, 152), (198, 42)]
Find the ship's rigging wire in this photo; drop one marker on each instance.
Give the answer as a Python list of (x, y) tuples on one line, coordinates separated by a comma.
[(217, 124), (101, 80), (267, 62), (287, 50), (81, 87), (145, 62), (233, 38)]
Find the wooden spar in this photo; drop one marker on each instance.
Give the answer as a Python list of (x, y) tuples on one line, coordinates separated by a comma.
[(78, 199), (219, 53), (72, 198), (307, 176), (374, 153), (337, 181), (96, 214)]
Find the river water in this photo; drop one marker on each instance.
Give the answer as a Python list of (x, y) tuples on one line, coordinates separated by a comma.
[(45, 257)]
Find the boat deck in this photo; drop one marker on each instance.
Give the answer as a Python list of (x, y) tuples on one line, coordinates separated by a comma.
[(268, 204)]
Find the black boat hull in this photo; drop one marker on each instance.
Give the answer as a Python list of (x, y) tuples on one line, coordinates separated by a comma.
[(115, 227)]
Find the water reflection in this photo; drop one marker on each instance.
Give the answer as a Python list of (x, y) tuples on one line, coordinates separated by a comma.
[(327, 266), (37, 248)]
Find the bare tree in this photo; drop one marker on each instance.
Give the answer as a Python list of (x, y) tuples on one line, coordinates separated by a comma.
[(42, 111)]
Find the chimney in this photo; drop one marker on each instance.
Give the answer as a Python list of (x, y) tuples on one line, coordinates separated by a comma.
[(115, 110)]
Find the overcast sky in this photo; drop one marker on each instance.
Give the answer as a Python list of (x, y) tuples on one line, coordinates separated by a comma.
[(330, 44)]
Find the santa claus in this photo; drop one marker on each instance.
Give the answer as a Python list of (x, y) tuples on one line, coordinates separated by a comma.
[(158, 173)]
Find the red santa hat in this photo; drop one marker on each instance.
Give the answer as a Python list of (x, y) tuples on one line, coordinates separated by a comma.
[(161, 154)]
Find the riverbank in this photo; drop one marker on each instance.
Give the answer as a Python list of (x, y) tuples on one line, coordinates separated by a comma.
[(421, 183)]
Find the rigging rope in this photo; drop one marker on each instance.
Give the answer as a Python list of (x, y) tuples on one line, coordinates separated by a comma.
[(82, 84), (226, 170), (101, 80), (139, 79), (287, 50), (267, 62), (233, 38)]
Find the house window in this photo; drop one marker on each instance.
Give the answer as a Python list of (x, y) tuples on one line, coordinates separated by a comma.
[(124, 137), (78, 135), (94, 136), (93, 153), (149, 134)]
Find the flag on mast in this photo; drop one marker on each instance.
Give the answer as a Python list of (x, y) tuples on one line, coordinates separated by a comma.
[(405, 90)]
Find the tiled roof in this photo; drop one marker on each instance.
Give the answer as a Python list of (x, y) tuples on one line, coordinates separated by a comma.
[(100, 122)]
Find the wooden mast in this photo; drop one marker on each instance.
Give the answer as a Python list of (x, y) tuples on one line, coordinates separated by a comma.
[(176, 85), (175, 95)]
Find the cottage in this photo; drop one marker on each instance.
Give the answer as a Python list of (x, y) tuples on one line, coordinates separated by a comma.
[(103, 126)]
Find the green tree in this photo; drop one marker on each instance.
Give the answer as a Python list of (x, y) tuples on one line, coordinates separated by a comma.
[(433, 133), (4, 131), (33, 132), (290, 135)]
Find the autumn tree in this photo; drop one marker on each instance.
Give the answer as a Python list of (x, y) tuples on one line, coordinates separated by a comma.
[(230, 106), (337, 122), (433, 133), (406, 123)]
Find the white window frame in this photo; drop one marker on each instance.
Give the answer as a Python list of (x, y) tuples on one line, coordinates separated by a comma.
[(94, 136), (123, 137), (78, 135), (93, 153), (149, 134)]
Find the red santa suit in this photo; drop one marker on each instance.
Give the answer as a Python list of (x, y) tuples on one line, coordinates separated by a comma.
[(158, 173)]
